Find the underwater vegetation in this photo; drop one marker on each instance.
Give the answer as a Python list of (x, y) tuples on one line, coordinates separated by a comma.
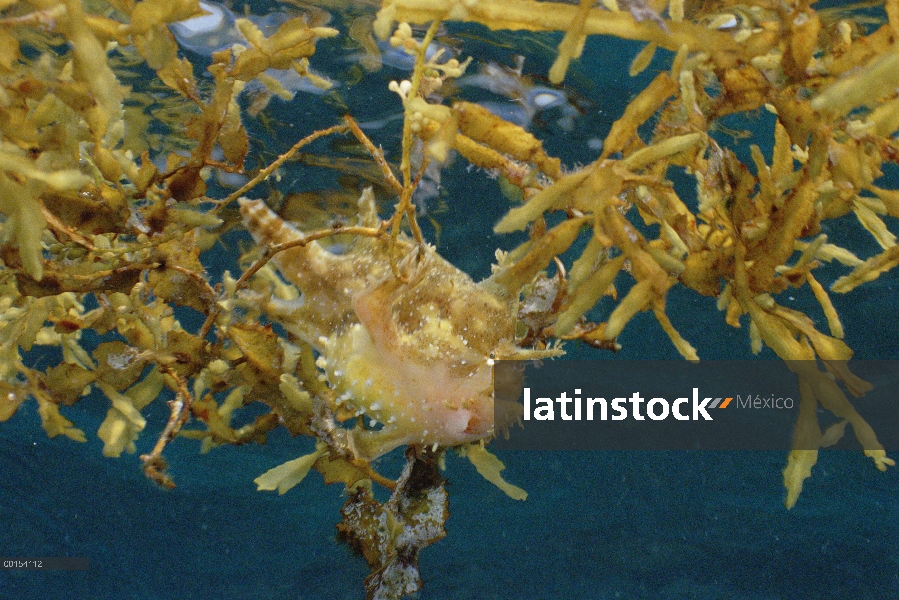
[(351, 329)]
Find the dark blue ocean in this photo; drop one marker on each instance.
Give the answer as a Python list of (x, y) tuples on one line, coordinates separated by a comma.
[(596, 525)]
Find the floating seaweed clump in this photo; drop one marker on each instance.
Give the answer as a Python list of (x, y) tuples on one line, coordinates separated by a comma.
[(359, 334)]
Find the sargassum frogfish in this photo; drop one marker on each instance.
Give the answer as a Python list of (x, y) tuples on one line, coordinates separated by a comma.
[(413, 353)]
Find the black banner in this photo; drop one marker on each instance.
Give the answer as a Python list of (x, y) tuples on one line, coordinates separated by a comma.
[(678, 405)]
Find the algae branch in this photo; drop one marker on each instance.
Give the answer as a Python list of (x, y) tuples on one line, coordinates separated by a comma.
[(133, 148)]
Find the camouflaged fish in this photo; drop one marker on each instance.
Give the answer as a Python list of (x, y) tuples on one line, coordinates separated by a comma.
[(412, 354)]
